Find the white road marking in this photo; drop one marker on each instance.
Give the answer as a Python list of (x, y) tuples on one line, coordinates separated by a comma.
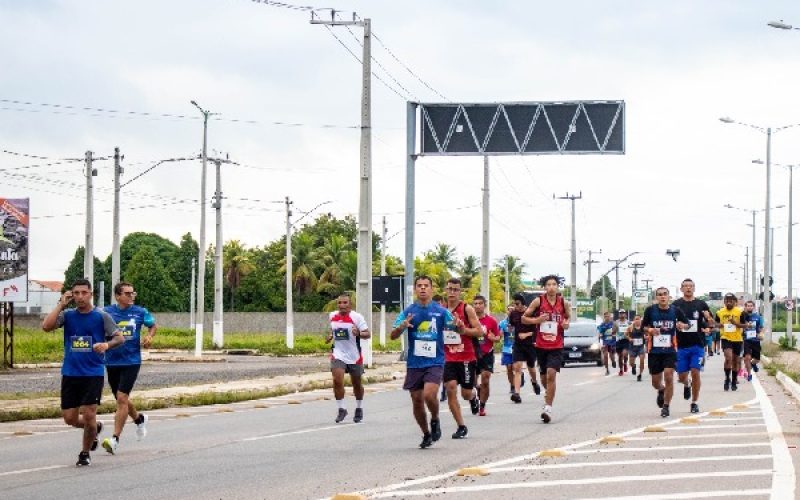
[(702, 436), (294, 433), (574, 482), (783, 478), (35, 469), (579, 465), (704, 427), (697, 494), (723, 419), (584, 383), (656, 449)]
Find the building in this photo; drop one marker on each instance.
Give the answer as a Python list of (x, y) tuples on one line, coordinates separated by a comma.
[(42, 297)]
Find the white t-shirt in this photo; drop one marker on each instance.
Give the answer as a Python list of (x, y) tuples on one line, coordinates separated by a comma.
[(346, 346)]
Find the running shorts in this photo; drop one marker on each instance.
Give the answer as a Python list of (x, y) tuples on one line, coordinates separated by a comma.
[(736, 347), (462, 372), (549, 358), (658, 361), (355, 370), (690, 358), (80, 391)]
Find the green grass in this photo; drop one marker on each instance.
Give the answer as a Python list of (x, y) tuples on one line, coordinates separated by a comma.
[(36, 346)]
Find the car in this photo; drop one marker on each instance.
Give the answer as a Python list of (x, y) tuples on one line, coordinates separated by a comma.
[(581, 344)]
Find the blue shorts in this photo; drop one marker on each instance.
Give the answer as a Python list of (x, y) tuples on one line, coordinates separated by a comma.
[(507, 359), (690, 358)]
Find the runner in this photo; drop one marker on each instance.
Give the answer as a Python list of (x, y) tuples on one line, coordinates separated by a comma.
[(661, 322), (491, 334), (621, 339), (635, 334), (425, 322), (122, 365), (508, 343), (442, 302), (715, 333), (347, 329), (607, 340), (88, 333), (730, 323), (753, 335), (524, 350), (709, 334), (691, 342), (550, 313), (460, 356)]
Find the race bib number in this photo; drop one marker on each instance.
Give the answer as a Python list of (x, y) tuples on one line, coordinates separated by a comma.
[(451, 337), (128, 328), (662, 340), (692, 326), (637, 341), (81, 343), (730, 328), (549, 327), (425, 348), (341, 334), (750, 334)]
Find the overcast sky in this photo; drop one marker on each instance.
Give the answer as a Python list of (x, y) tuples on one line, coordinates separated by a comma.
[(678, 65)]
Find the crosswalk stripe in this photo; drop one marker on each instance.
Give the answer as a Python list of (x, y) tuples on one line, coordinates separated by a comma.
[(630, 462)]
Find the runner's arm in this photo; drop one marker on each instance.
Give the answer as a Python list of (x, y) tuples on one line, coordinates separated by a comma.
[(472, 319), (527, 316), (402, 322), (363, 328), (567, 312), (55, 319)]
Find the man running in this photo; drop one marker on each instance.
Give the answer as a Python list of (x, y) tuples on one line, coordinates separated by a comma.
[(347, 329), (88, 333), (508, 343), (425, 322), (622, 343), (122, 365), (460, 356), (661, 322), (442, 302), (636, 338), (551, 315), (691, 342), (753, 335), (490, 334), (607, 340), (731, 324), (524, 350)]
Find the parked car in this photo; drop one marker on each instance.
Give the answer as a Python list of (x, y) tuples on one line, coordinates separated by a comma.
[(581, 344)]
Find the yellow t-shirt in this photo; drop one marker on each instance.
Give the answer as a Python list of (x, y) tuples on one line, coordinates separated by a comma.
[(725, 315)]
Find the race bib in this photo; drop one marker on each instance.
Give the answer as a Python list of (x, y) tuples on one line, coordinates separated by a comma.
[(730, 328), (80, 343), (750, 334), (451, 337), (341, 333), (425, 348), (662, 340), (692, 326), (549, 327), (637, 341)]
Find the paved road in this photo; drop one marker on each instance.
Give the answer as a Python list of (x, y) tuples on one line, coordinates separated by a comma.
[(289, 447)]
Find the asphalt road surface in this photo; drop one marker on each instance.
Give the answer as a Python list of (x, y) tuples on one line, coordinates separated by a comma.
[(289, 447)]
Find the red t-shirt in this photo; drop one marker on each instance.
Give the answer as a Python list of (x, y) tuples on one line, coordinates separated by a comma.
[(489, 325), (464, 351), (553, 337)]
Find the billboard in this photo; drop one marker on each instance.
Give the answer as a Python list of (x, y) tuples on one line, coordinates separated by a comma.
[(585, 308), (14, 225)]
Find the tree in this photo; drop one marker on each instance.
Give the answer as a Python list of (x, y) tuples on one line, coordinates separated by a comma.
[(597, 289), (74, 271), (394, 266), (333, 258), (164, 249), (468, 270), (436, 270), (180, 269), (154, 287), (236, 264), (515, 271), (443, 254), (304, 263)]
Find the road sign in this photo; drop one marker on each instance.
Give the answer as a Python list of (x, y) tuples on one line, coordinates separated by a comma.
[(585, 308), (641, 296), (14, 249), (387, 290), (761, 296), (789, 304)]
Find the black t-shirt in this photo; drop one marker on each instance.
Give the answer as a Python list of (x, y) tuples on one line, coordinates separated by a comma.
[(693, 310), (515, 320)]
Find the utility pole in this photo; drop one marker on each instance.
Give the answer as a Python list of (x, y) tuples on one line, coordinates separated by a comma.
[(616, 262), (573, 268), (768, 243), (508, 282), (588, 263), (289, 277), (636, 266), (364, 265), (485, 246), (383, 273), (790, 294), (192, 290), (115, 244), (218, 331), (88, 252)]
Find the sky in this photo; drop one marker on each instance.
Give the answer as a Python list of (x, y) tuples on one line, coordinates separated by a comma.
[(288, 97)]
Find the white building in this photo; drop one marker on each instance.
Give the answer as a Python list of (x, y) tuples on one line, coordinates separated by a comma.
[(42, 297)]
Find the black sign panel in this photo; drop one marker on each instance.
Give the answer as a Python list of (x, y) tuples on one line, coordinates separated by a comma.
[(387, 290), (529, 128)]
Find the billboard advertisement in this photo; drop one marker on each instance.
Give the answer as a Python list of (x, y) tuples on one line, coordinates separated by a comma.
[(585, 308), (14, 225)]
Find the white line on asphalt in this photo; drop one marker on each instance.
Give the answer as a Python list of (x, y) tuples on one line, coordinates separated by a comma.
[(724, 419), (25, 471), (573, 482), (695, 494), (655, 449), (703, 427), (703, 436), (783, 478), (293, 433), (733, 458), (584, 383)]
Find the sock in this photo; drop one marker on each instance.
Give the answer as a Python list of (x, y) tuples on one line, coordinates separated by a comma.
[(359, 402), (728, 374), (340, 403)]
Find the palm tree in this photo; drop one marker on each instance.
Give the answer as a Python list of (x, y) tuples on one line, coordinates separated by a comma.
[(304, 263), (515, 269), (333, 255), (468, 269), (235, 264), (443, 254)]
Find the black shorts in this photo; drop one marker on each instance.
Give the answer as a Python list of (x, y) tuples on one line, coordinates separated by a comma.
[(524, 352), (462, 372), (486, 363), (736, 347), (80, 391), (658, 361), (753, 349), (623, 345), (416, 378), (549, 358), (122, 378)]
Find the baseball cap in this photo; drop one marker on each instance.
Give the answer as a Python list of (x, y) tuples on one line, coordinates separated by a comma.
[(623, 311), (731, 296)]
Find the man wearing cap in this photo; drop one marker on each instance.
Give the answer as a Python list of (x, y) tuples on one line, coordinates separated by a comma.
[(730, 323), (623, 344)]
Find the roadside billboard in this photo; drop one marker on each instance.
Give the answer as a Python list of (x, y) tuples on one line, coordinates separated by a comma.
[(14, 225)]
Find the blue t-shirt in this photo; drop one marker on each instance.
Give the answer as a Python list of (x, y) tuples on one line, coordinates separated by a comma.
[(425, 338), (129, 321), (606, 331), (753, 332), (508, 336), (81, 332)]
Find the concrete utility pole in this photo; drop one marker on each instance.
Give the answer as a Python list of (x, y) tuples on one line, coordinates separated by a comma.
[(101, 294), (289, 278), (588, 263), (790, 290), (768, 244), (115, 244), (753, 283), (88, 252), (218, 331), (383, 273), (508, 282), (636, 266), (364, 266), (192, 290), (485, 246), (616, 262), (573, 268)]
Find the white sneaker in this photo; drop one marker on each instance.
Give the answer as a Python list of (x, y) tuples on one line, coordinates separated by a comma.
[(141, 429), (110, 444), (547, 412)]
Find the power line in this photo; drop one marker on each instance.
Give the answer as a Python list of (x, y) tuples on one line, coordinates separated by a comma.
[(377, 38), (38, 157), (285, 5)]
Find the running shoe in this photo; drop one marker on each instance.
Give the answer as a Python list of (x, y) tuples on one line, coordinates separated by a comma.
[(460, 433), (536, 388), (359, 416), (727, 385), (341, 415), (694, 408), (516, 398), (443, 395), (633, 369), (474, 405), (755, 366), (427, 442), (141, 427), (482, 412), (665, 411), (613, 364), (99, 430), (547, 413), (749, 377), (660, 398), (110, 444), (607, 372), (710, 354), (620, 372), (734, 385), (84, 459), (436, 429), (687, 392), (639, 377)]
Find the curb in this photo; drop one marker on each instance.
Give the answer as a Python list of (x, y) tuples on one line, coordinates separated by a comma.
[(787, 383)]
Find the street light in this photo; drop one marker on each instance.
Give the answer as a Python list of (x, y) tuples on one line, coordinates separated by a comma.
[(781, 25), (768, 131)]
